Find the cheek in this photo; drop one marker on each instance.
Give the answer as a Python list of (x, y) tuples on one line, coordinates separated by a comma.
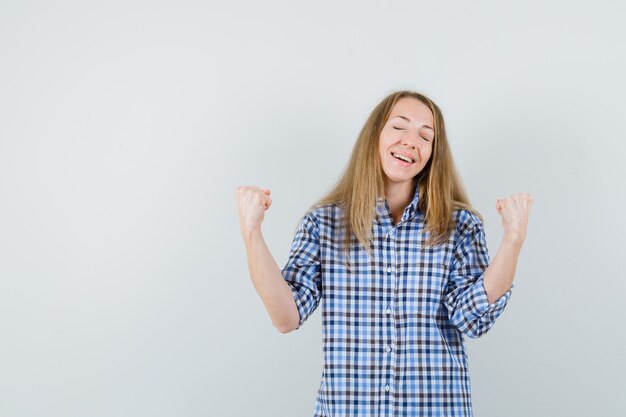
[(428, 151), (382, 147), (382, 141)]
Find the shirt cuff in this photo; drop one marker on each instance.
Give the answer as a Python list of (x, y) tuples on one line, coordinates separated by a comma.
[(303, 298), (480, 301)]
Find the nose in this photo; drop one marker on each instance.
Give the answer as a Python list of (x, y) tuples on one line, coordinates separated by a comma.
[(410, 140)]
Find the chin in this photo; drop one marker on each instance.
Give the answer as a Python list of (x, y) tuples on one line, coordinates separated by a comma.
[(401, 179)]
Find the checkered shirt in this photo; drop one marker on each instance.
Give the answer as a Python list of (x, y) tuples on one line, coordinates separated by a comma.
[(393, 328)]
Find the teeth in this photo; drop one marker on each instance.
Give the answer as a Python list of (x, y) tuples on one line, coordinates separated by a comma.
[(404, 158)]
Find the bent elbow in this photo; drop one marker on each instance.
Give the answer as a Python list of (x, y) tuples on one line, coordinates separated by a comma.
[(288, 323), (285, 328)]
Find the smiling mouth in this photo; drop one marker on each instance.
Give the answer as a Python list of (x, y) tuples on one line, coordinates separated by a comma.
[(402, 158)]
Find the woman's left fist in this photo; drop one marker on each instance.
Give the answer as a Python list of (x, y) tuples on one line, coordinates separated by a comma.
[(514, 211)]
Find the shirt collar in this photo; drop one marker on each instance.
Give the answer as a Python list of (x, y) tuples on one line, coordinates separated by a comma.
[(382, 208)]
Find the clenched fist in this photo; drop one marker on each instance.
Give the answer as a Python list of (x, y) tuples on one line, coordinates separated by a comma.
[(252, 203), (514, 211)]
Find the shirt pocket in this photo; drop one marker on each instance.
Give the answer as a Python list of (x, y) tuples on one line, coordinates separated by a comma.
[(422, 279)]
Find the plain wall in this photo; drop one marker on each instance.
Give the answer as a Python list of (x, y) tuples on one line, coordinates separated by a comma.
[(126, 126)]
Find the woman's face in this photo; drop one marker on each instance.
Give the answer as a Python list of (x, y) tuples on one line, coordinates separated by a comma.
[(409, 132)]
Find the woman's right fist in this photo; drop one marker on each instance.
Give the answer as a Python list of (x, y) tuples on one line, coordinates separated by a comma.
[(252, 203)]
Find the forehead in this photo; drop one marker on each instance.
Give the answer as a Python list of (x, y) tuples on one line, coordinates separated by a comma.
[(413, 109)]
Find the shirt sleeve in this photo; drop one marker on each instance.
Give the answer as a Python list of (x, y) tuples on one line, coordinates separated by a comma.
[(466, 299), (302, 270)]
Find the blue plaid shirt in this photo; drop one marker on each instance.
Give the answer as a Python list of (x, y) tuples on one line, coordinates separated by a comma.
[(393, 328)]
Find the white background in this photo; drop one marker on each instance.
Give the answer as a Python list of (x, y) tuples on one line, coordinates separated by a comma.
[(125, 127)]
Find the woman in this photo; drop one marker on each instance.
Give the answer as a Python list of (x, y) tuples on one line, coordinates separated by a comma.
[(398, 259)]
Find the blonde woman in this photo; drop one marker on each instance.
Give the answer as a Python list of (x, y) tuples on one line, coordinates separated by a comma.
[(397, 257)]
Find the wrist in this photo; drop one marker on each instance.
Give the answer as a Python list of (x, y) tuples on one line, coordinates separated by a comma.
[(513, 238), (251, 232)]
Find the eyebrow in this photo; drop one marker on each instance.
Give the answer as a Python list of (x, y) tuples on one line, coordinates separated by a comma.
[(408, 120)]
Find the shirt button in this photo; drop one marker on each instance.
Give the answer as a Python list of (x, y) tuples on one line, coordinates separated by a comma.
[(387, 388), (388, 311), (389, 270), (388, 349)]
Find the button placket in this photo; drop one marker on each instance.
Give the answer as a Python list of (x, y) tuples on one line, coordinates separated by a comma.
[(388, 291), (392, 275)]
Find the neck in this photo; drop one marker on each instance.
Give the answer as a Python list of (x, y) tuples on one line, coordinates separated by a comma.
[(398, 195)]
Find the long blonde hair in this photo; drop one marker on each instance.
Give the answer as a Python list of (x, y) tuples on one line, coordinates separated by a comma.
[(362, 181)]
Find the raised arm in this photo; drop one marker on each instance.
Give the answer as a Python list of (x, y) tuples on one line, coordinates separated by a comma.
[(479, 290), (266, 276), (514, 211)]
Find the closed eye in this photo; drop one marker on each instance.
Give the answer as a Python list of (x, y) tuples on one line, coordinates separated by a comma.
[(398, 128)]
